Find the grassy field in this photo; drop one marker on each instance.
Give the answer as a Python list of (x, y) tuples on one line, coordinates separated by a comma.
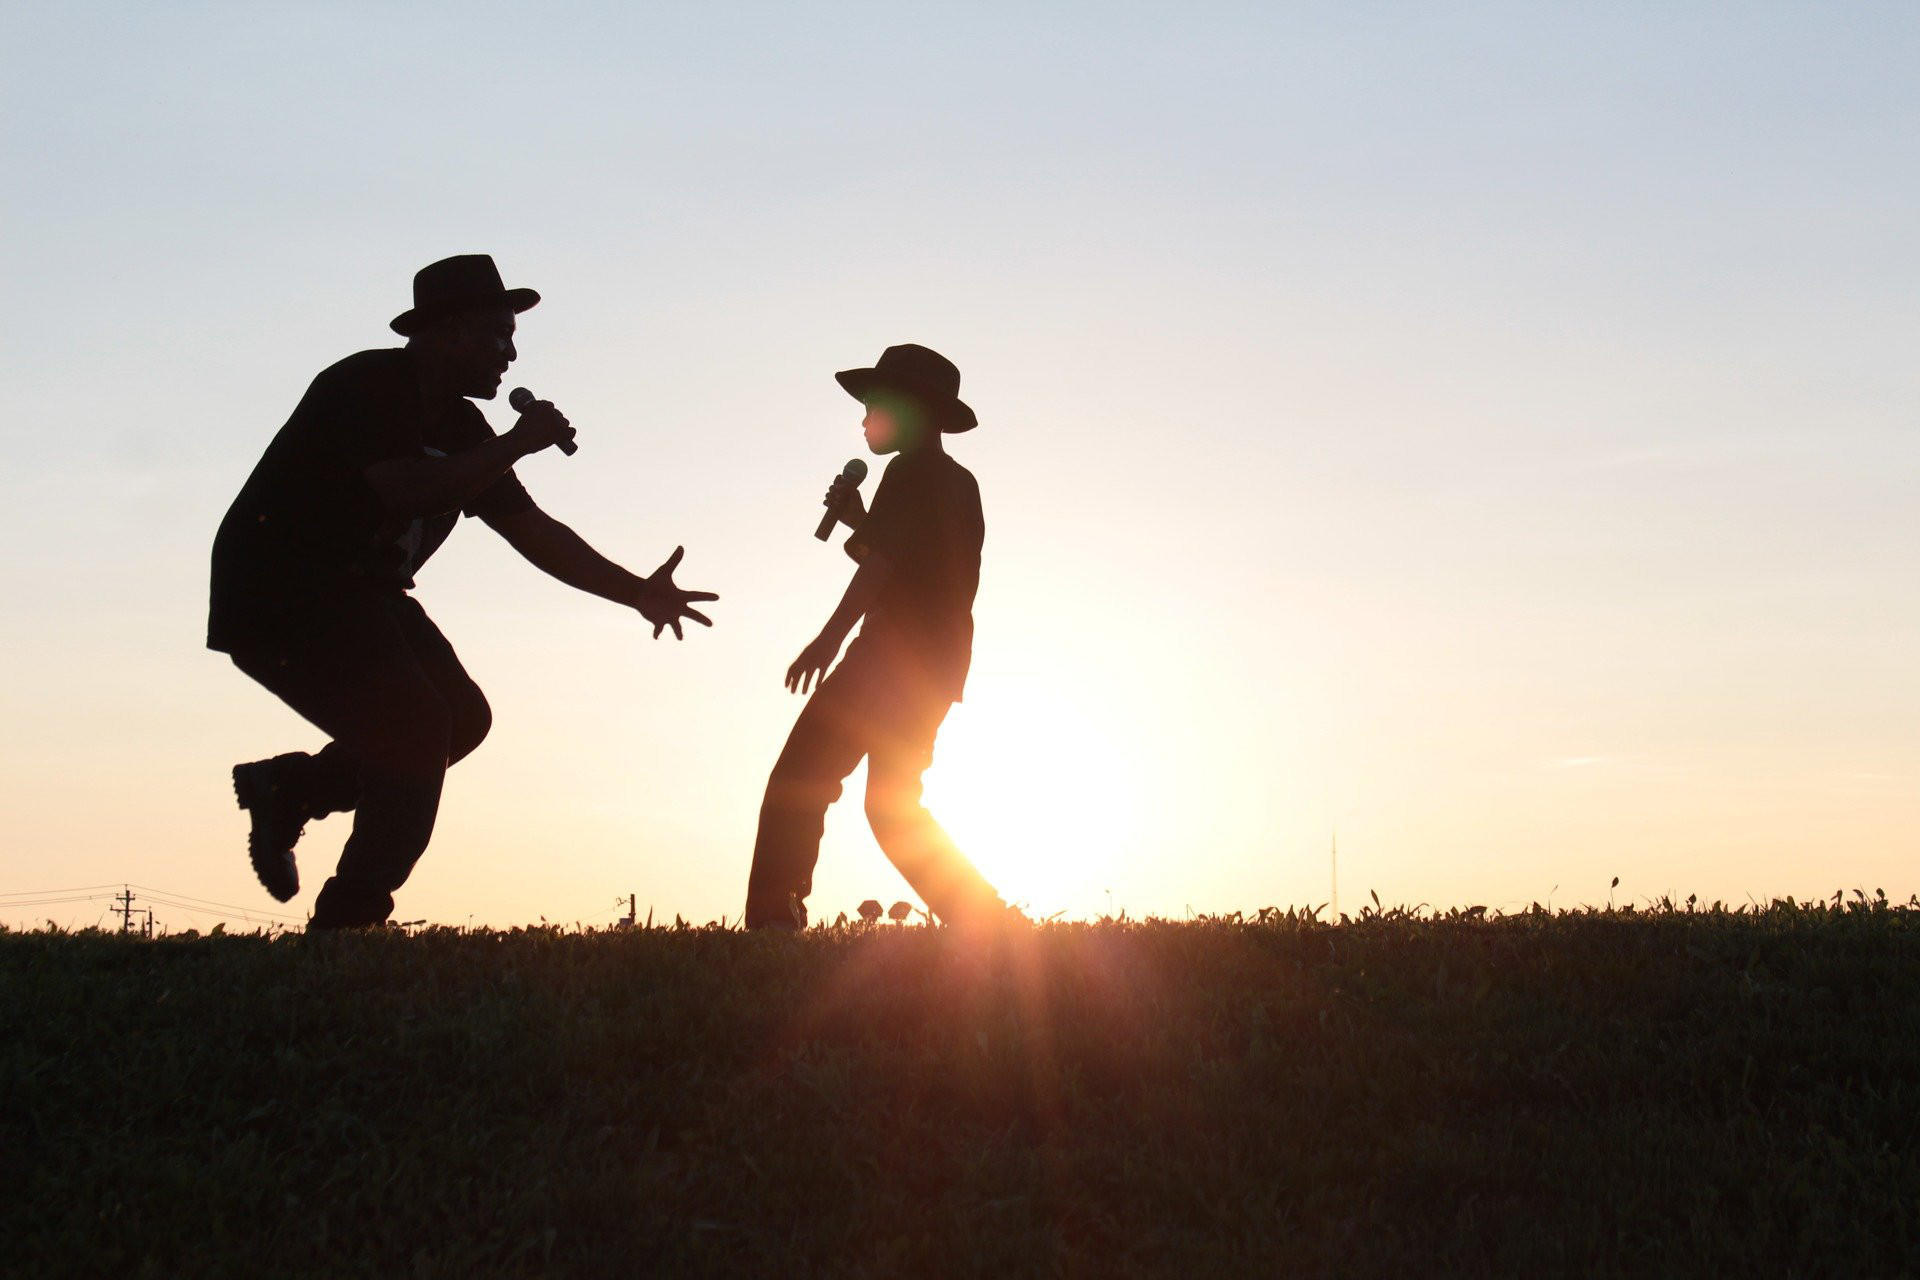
[(1631, 1092)]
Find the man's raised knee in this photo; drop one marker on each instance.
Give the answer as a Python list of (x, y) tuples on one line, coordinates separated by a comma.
[(416, 744), (470, 727)]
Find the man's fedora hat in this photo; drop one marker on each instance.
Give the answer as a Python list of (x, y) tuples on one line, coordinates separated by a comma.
[(457, 284), (924, 374)]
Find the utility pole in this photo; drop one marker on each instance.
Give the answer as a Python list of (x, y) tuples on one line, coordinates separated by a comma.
[(123, 907), (628, 921)]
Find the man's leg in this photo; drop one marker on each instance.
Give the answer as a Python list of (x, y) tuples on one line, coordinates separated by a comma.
[(470, 717), (302, 786), (392, 729), (826, 744), (371, 871), (328, 781), (925, 854)]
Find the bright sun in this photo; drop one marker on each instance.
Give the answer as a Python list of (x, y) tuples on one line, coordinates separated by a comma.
[(1038, 792)]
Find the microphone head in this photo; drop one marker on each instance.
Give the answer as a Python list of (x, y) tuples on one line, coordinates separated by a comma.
[(855, 470), (520, 398)]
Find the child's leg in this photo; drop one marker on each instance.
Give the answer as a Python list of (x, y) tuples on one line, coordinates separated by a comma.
[(826, 744), (920, 847)]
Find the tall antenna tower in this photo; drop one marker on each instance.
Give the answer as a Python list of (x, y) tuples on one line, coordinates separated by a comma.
[(1333, 868)]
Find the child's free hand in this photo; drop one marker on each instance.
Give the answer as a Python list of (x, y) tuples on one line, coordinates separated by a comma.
[(812, 664)]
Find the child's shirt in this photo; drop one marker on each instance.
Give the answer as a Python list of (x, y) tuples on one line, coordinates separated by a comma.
[(926, 522)]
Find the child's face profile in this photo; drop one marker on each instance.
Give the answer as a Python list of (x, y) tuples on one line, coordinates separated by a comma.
[(890, 423), (880, 428)]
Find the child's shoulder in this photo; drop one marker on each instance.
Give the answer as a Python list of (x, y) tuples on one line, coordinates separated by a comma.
[(937, 464)]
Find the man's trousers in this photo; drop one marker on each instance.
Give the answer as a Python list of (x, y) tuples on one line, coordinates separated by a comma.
[(379, 679)]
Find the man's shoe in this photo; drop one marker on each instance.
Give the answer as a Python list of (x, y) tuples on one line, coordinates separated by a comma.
[(342, 905), (264, 789)]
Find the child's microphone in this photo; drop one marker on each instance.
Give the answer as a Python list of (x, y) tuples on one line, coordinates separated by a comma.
[(856, 471)]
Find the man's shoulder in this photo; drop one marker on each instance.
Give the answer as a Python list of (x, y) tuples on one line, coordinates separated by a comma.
[(379, 367), (363, 373), (352, 394)]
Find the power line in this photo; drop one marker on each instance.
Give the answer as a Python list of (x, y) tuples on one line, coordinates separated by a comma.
[(44, 893), (208, 902), (46, 902), (31, 899)]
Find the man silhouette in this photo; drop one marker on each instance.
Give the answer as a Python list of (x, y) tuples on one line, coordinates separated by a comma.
[(919, 557), (314, 560)]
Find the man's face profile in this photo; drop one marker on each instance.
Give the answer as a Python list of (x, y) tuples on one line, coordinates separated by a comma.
[(477, 347)]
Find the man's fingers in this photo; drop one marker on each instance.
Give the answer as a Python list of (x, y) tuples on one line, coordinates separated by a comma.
[(673, 561), (692, 596), (699, 617)]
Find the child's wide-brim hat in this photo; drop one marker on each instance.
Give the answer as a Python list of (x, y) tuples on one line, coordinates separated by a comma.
[(920, 372), (452, 285)]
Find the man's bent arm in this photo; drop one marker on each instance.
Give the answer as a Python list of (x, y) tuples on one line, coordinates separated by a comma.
[(429, 486), (557, 550)]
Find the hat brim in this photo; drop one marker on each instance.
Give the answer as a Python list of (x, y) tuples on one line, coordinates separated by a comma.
[(951, 415), (414, 319)]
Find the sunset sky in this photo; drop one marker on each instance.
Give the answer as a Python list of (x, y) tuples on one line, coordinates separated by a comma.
[(1485, 430)]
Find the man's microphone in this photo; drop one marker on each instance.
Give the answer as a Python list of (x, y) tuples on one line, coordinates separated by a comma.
[(856, 471), (520, 398)]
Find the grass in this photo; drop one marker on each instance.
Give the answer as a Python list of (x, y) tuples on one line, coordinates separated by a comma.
[(1593, 1092)]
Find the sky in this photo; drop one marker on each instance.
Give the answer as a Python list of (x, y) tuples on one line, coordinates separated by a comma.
[(1482, 431)]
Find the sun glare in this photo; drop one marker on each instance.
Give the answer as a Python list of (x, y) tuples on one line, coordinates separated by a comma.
[(1039, 792)]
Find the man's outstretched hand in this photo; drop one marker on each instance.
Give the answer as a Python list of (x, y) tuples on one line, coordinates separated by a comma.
[(664, 604)]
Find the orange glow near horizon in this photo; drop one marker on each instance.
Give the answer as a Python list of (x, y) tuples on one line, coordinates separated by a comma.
[(1038, 790)]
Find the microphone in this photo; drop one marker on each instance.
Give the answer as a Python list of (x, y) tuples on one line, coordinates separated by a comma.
[(520, 398), (856, 471)]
